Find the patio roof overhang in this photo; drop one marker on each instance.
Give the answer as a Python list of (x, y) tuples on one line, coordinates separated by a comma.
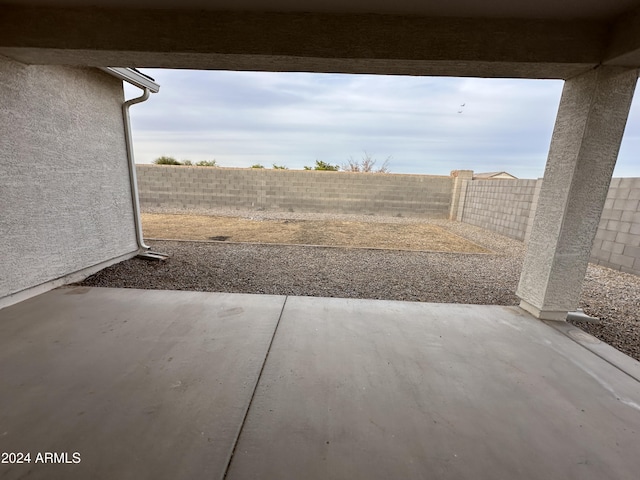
[(497, 38)]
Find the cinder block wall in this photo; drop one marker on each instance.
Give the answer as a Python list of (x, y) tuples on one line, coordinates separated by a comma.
[(181, 187), (508, 207), (503, 206), (617, 243)]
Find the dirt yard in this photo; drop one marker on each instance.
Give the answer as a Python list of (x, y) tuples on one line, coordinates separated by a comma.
[(414, 236)]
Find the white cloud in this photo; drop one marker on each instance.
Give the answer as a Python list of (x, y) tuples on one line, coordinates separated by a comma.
[(242, 118)]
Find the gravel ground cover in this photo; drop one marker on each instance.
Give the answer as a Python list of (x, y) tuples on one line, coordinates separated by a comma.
[(491, 279)]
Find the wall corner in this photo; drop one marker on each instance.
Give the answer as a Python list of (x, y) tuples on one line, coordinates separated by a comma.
[(460, 179)]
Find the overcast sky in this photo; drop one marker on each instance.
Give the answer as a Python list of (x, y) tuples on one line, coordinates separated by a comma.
[(427, 125)]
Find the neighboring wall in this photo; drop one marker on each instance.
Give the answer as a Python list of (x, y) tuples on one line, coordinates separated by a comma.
[(65, 201), (617, 243), (503, 206), (184, 188), (508, 207)]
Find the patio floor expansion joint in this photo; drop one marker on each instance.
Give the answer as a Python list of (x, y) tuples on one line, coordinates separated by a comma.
[(253, 393)]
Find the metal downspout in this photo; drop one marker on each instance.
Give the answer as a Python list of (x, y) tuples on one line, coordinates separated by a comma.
[(132, 166)]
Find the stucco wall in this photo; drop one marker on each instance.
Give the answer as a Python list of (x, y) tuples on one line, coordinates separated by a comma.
[(180, 187), (65, 201)]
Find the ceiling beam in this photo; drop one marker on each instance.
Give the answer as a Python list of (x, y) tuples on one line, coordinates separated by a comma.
[(311, 42), (624, 44)]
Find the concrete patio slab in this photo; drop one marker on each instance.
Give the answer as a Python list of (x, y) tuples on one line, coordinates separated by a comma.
[(378, 390), (158, 385), (143, 384)]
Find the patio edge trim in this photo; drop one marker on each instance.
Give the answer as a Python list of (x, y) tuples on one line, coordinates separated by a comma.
[(606, 352)]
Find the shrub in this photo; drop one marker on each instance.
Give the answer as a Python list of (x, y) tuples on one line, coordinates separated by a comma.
[(257, 165), (166, 161), (187, 163), (320, 165), (205, 163), (366, 165), (279, 167)]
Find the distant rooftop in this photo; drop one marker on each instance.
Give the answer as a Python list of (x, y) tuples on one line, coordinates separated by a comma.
[(494, 175)]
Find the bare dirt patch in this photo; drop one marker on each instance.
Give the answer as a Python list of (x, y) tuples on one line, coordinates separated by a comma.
[(418, 236)]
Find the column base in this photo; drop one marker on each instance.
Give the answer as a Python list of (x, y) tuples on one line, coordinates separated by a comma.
[(557, 316)]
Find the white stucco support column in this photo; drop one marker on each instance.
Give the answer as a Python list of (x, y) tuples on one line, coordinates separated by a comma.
[(584, 147)]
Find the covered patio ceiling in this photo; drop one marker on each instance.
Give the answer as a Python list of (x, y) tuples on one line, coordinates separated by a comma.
[(499, 38), (549, 9)]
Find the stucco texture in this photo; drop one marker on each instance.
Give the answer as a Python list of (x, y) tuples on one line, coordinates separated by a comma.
[(584, 147), (65, 199)]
